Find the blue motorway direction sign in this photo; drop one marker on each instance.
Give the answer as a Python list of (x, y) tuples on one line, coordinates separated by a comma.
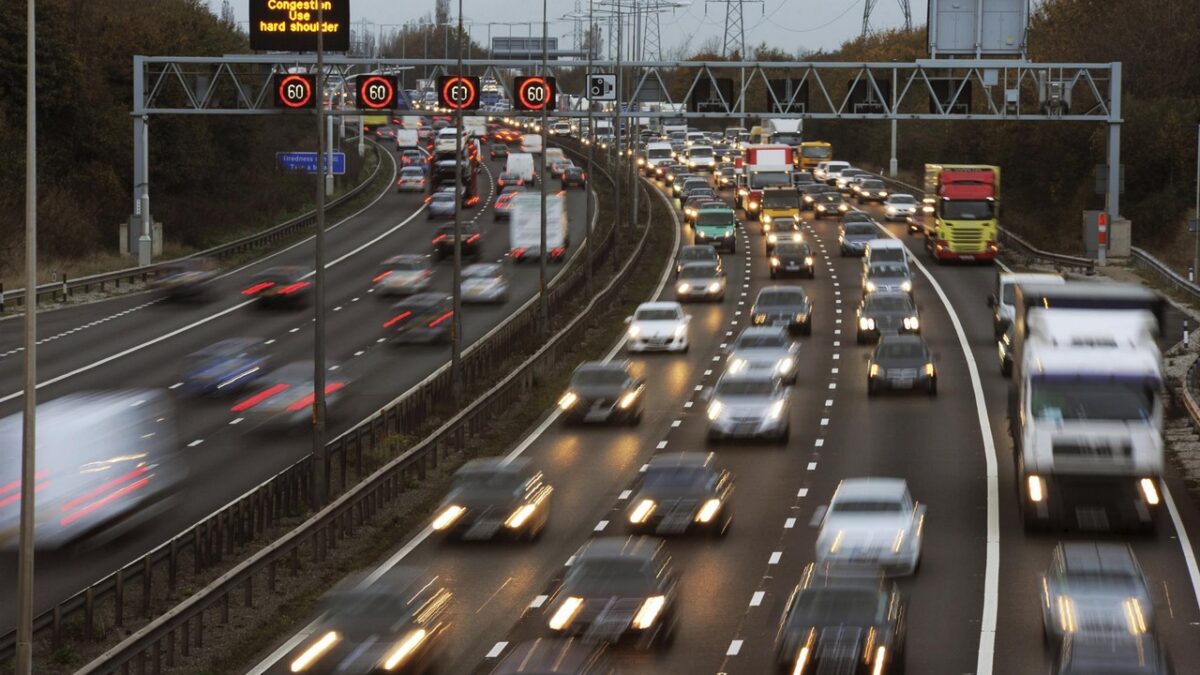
[(307, 161)]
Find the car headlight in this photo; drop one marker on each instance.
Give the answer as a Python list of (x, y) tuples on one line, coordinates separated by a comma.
[(714, 287), (760, 319), (801, 316), (871, 287), (683, 288), (448, 517), (785, 365), (648, 613), (843, 207), (766, 218), (566, 612), (634, 330), (911, 323), (874, 372), (808, 260), (906, 285), (742, 192), (774, 261), (797, 237), (891, 210), (928, 370), (738, 365), (883, 193), (315, 650), (1036, 488), (642, 511), (866, 323), (628, 399), (772, 238), (753, 205), (715, 409), (518, 517), (708, 511), (775, 411), (568, 399), (808, 199)]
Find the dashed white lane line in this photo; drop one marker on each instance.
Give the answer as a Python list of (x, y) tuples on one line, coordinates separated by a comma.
[(196, 442), (688, 404), (359, 353), (236, 420), (834, 371), (269, 342), (757, 598), (775, 558), (699, 387), (496, 650), (828, 402), (539, 601), (812, 466), (176, 385), (734, 648), (833, 385), (675, 424), (819, 443), (294, 330), (624, 494), (600, 526), (97, 322), (802, 493), (707, 373), (661, 445)]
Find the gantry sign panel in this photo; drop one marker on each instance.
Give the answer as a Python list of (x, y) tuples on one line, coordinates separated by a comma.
[(291, 25), (975, 89)]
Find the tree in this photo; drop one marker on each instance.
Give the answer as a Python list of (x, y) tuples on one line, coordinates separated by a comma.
[(227, 16)]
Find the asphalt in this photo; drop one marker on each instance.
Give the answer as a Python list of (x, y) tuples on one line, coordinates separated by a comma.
[(142, 343)]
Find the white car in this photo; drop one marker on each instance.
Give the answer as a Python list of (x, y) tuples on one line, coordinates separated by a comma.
[(412, 179), (403, 275), (701, 157), (900, 206), (658, 326), (484, 282), (871, 525)]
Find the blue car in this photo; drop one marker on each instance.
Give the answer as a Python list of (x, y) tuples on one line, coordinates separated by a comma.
[(226, 367)]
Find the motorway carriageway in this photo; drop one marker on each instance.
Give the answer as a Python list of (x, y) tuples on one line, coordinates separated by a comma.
[(733, 589), (225, 459)]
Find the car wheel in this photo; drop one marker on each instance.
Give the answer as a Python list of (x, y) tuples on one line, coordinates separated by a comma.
[(871, 388), (1006, 368), (933, 387), (773, 274), (806, 329)]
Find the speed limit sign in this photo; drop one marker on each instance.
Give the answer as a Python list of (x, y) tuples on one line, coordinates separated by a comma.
[(295, 91), (535, 93), (376, 92), (458, 92)]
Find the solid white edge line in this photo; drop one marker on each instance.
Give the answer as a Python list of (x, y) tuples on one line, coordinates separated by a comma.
[(991, 578), (1185, 542), (424, 534)]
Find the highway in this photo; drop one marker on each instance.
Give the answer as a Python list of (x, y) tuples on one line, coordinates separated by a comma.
[(974, 603), (138, 341)]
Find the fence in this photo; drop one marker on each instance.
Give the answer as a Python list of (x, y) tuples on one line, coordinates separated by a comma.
[(67, 287), (182, 628)]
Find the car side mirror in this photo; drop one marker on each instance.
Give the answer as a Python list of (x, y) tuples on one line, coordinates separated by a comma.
[(818, 516)]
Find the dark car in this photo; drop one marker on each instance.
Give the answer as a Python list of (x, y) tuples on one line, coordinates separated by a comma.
[(603, 392), (700, 281), (901, 362), (691, 203), (280, 287), (690, 185), (681, 492), (828, 204), (887, 277), (553, 656), (783, 230), (492, 498), (617, 590), (853, 237), (857, 217), (574, 176), (800, 178), (837, 625), (423, 317), (497, 151), (783, 306), (871, 190), (1113, 654), (226, 367), (697, 253), (886, 312), (1004, 347), (791, 258), (188, 279), (398, 624), (471, 237), (506, 179), (670, 172), (284, 397)]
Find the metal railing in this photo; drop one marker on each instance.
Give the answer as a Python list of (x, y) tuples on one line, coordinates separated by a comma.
[(1142, 258), (1013, 241), (286, 494), (182, 628), (65, 288)]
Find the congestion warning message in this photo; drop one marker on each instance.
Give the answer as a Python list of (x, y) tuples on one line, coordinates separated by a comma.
[(292, 26)]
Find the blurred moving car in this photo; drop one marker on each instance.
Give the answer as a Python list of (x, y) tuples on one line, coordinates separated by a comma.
[(187, 279), (508, 178), (440, 204), (280, 287), (853, 237), (470, 236), (835, 624), (900, 206), (574, 176), (1113, 654), (498, 151), (503, 208), (1094, 589), (412, 179), (828, 204), (226, 367), (658, 326), (422, 317), (492, 497), (108, 462), (783, 230), (765, 348), (554, 656), (403, 275), (887, 277), (700, 281), (603, 392), (790, 258), (885, 312), (398, 624), (749, 404), (697, 253), (412, 158), (901, 362), (284, 397), (786, 306), (871, 525), (870, 190), (484, 282), (617, 590), (681, 492)]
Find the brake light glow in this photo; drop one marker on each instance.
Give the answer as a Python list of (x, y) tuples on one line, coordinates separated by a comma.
[(259, 397), (381, 276), (518, 252), (440, 319), (397, 319), (16, 496), (259, 287), (112, 496), (471, 239), (308, 400), (298, 286), (438, 238), (100, 489)]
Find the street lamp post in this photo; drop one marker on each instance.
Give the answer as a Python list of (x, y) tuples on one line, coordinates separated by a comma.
[(320, 477), (543, 302), (456, 379)]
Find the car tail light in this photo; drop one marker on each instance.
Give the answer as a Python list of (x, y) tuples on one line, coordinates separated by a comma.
[(440, 319), (440, 237), (397, 319), (518, 252), (380, 277), (259, 287), (308, 400), (111, 496), (471, 239), (298, 286), (259, 397)]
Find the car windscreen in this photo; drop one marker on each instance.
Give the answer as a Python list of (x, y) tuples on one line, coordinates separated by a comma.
[(781, 200), (1057, 399), (405, 265), (609, 576), (656, 315), (715, 219), (902, 199), (701, 152), (411, 172), (887, 303), (481, 272), (788, 249), (858, 229), (676, 477), (856, 506), (443, 196), (698, 252), (485, 481), (872, 184), (824, 607), (762, 341), (699, 271), (745, 388), (598, 377), (782, 296), (902, 351), (887, 270), (658, 153)]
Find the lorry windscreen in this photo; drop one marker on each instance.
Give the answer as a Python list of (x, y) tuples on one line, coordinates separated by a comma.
[(816, 152), (784, 199), (762, 179), (786, 138), (968, 210), (1075, 398), (659, 153)]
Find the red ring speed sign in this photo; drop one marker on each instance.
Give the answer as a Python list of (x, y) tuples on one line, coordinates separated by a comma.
[(376, 92), (459, 92), (295, 91), (535, 93)]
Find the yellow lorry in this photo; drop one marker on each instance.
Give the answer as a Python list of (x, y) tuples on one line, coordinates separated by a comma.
[(813, 153)]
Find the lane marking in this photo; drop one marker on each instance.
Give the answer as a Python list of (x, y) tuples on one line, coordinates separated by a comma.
[(734, 648), (625, 494), (600, 526), (176, 385), (789, 523), (196, 442), (539, 601), (775, 557), (757, 598), (662, 444), (1185, 542), (802, 493), (496, 650)]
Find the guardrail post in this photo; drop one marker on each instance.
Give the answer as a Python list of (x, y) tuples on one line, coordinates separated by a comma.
[(185, 632), (119, 600), (172, 564), (171, 649), (56, 627), (146, 583), (1, 297), (65, 290), (89, 612)]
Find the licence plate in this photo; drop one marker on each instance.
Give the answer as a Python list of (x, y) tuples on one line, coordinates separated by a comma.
[(793, 266), (903, 383), (596, 415), (966, 257)]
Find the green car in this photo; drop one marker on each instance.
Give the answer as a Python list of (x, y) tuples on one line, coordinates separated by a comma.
[(716, 227)]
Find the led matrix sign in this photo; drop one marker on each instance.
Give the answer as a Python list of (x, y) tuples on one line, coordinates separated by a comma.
[(291, 25)]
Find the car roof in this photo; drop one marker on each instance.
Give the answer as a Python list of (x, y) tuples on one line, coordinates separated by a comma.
[(423, 300), (686, 460), (645, 548), (495, 465), (889, 488), (404, 257), (898, 339), (696, 247), (752, 331), (622, 366), (748, 375), (1098, 558), (551, 656), (660, 305)]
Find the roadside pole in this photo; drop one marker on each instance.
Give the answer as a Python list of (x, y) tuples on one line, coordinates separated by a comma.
[(543, 301), (456, 379), (320, 461)]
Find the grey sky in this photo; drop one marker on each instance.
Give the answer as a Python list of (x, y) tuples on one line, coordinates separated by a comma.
[(792, 25)]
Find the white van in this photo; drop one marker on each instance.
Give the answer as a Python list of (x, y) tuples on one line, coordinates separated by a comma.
[(1003, 301), (532, 143), (832, 171), (525, 227), (406, 139), (884, 250), (521, 163), (446, 140)]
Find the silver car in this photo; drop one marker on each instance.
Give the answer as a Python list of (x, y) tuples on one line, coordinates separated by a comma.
[(403, 275), (1095, 589), (853, 237), (887, 277), (871, 525), (749, 404), (484, 282), (768, 349)]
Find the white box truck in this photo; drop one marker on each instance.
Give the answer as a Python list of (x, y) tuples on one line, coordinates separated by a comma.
[(521, 163), (406, 139), (525, 227)]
